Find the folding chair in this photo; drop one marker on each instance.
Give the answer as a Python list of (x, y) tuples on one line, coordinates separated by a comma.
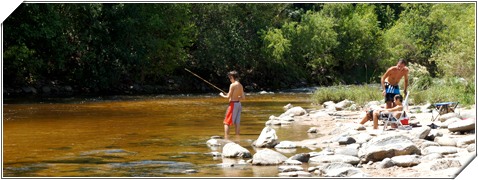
[(391, 119), (442, 108)]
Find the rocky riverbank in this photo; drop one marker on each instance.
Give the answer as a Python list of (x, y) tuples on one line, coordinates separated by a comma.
[(347, 149)]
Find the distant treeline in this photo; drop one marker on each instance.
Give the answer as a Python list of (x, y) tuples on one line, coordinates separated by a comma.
[(113, 47)]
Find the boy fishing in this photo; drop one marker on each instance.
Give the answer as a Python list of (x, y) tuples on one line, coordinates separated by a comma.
[(235, 95)]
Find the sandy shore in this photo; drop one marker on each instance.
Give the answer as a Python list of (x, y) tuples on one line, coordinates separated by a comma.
[(330, 127)]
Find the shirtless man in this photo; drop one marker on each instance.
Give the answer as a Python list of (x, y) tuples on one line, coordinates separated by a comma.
[(235, 95), (390, 81)]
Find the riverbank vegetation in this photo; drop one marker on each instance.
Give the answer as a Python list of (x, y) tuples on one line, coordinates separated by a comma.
[(423, 89), (116, 48)]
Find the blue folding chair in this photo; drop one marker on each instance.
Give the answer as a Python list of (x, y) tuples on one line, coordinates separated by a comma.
[(442, 108)]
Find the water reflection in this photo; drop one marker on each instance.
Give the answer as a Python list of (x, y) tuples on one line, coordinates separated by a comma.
[(139, 136)]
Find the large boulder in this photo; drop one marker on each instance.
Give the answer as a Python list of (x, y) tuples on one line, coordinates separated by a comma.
[(388, 146), (444, 117), (343, 104), (347, 151), (406, 160), (463, 125), (443, 150), (338, 170), (446, 123), (268, 157), (233, 150), (464, 141), (267, 139), (445, 141), (335, 158), (420, 133), (295, 111)]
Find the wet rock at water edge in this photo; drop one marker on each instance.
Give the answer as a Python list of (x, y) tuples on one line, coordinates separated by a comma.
[(335, 159), (288, 174), (303, 157), (292, 162), (313, 130), (290, 168), (235, 150), (295, 111), (268, 157), (267, 138), (288, 106), (286, 145)]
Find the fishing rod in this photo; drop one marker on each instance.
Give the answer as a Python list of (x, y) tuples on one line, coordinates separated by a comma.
[(204, 80)]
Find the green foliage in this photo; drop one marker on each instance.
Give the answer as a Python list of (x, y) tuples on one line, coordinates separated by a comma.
[(455, 53), (360, 94), (446, 90), (276, 45), (97, 45), (419, 77)]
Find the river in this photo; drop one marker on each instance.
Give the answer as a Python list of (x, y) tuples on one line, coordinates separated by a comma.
[(136, 136)]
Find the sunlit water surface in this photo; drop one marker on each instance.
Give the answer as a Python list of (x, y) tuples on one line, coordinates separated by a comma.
[(140, 136)]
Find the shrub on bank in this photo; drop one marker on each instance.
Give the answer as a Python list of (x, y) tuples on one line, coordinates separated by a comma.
[(439, 90), (360, 94)]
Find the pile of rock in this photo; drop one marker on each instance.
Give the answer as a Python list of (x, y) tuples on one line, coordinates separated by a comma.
[(348, 149)]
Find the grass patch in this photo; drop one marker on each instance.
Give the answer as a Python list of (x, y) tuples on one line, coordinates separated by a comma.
[(360, 94), (446, 90), (436, 90)]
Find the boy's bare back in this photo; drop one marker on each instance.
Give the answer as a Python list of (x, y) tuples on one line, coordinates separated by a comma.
[(237, 91)]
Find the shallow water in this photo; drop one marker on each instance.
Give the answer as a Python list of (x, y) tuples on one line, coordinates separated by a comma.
[(139, 136)]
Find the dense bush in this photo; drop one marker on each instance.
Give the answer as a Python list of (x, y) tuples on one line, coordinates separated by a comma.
[(103, 47)]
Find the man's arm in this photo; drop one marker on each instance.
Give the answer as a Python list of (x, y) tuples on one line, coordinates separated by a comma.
[(406, 83), (385, 76)]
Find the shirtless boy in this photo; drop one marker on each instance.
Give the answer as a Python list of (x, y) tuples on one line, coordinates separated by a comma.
[(390, 81), (235, 95)]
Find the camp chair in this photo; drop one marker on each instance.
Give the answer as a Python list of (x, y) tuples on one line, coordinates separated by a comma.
[(442, 108), (391, 119)]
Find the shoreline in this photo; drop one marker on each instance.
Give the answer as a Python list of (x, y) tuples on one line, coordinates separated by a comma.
[(344, 148), (336, 125)]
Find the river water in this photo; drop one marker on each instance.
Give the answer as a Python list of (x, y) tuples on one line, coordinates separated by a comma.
[(136, 136)]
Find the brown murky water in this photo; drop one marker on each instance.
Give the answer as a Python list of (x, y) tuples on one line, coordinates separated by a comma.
[(147, 136)]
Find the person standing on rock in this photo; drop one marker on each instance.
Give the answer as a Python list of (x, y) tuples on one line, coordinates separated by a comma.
[(235, 95), (390, 81)]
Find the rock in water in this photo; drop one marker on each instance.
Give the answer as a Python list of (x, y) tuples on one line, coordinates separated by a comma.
[(234, 150), (267, 138), (268, 157)]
